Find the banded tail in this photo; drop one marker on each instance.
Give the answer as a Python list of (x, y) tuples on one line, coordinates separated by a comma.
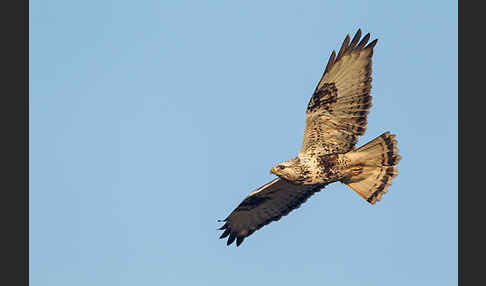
[(373, 167)]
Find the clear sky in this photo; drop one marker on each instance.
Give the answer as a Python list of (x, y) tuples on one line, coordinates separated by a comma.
[(150, 120)]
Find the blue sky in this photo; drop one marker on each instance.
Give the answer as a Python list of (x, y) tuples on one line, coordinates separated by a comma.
[(150, 120)]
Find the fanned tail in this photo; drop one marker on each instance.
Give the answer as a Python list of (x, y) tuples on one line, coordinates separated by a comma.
[(373, 167)]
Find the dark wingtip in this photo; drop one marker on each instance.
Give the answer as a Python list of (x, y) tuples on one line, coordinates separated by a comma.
[(372, 44), (331, 61), (355, 40), (223, 227), (344, 47), (225, 233), (231, 238), (239, 240), (363, 41)]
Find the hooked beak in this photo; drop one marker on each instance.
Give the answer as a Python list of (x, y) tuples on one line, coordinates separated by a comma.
[(272, 171)]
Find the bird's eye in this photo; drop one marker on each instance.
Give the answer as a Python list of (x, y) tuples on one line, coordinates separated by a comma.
[(281, 167)]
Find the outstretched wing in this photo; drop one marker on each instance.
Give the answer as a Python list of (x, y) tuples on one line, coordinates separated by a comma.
[(336, 114), (266, 204)]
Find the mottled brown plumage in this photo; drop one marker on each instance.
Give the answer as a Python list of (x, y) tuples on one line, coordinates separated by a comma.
[(336, 115)]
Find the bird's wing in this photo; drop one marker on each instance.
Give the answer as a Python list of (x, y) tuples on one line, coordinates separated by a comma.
[(266, 204), (337, 111)]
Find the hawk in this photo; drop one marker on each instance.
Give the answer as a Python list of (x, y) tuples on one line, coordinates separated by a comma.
[(336, 115)]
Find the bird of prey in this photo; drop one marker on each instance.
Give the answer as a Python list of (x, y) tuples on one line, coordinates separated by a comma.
[(336, 115)]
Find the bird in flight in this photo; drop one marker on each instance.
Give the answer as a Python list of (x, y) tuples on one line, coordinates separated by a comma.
[(335, 117)]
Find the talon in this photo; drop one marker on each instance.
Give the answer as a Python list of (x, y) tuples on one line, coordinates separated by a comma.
[(356, 170)]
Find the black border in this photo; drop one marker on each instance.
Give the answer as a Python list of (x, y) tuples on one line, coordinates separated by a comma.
[(14, 208), (471, 190), (459, 133)]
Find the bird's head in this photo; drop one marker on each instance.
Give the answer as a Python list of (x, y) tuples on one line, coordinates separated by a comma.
[(288, 170)]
